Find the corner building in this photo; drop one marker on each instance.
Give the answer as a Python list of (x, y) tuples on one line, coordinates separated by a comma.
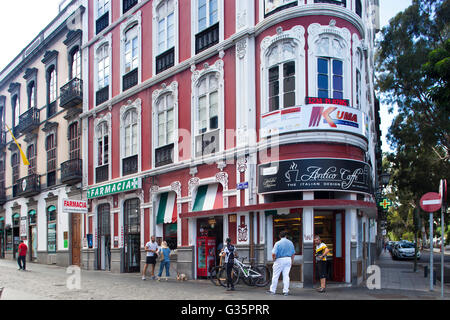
[(209, 119)]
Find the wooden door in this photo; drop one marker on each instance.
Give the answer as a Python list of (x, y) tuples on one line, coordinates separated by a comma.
[(339, 247), (76, 239)]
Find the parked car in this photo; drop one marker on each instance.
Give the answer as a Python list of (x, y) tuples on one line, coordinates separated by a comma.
[(404, 250), (390, 246)]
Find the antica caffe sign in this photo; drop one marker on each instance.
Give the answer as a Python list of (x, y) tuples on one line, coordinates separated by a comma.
[(315, 174), (122, 186)]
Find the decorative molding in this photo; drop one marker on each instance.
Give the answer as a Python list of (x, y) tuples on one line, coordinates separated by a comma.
[(49, 57), (30, 73), (241, 48), (222, 178), (242, 164)]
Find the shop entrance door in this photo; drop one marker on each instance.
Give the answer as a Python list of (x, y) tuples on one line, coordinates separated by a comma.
[(104, 237), (339, 245), (208, 254), (33, 243), (76, 239), (132, 236)]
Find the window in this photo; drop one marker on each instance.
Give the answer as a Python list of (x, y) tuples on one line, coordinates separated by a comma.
[(165, 107), (292, 224), (15, 110), (103, 66), (358, 79), (51, 159), (31, 95), (102, 144), (330, 78), (32, 217), (166, 26), (128, 4), (31, 156), (76, 64), (282, 86), (15, 164), (131, 131), (131, 49), (51, 229), (208, 104), (102, 7), (208, 14), (51, 84), (102, 22), (74, 141)]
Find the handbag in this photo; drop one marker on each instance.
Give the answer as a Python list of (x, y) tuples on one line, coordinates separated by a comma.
[(161, 256)]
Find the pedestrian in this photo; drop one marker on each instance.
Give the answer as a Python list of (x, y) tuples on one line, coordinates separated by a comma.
[(229, 252), (151, 248), (22, 259), (283, 254), (164, 255), (321, 259)]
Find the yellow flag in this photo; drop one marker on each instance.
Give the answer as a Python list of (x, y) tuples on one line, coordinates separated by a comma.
[(24, 157)]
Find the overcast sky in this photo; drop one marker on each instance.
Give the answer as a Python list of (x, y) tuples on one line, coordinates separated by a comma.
[(22, 20)]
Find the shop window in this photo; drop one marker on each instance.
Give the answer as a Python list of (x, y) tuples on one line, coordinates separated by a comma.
[(323, 227), (32, 217), (51, 229), (292, 224), (170, 235)]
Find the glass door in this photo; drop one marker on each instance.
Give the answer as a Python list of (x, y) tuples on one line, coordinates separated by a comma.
[(132, 230), (104, 236)]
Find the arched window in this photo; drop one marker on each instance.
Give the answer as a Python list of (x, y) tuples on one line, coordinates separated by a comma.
[(166, 25), (32, 95), (358, 79), (131, 51), (165, 118), (208, 103), (15, 110), (102, 135), (75, 69), (51, 84), (51, 229), (130, 120)]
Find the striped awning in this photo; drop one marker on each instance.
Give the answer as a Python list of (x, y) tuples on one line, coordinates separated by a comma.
[(167, 208), (209, 197)]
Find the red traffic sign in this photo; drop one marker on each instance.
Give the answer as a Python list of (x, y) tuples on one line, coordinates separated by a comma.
[(430, 202)]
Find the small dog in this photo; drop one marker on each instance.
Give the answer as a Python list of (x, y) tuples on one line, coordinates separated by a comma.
[(181, 277)]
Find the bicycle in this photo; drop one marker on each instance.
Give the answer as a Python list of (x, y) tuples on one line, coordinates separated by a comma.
[(251, 275), (218, 274)]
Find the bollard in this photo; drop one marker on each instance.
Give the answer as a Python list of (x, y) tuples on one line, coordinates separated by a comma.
[(434, 277), (425, 271)]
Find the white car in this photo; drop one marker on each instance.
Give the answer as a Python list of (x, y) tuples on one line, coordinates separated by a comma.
[(405, 250)]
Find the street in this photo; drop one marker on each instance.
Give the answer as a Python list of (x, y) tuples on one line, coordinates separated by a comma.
[(49, 283)]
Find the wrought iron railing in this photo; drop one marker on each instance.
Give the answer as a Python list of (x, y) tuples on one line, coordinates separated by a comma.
[(102, 95), (29, 120), (71, 93), (71, 171), (102, 173), (28, 186), (130, 165), (128, 4), (207, 143), (130, 79), (207, 38), (165, 60), (164, 155), (102, 23)]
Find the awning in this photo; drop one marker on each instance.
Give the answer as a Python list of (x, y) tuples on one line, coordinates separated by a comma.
[(209, 197), (167, 208)]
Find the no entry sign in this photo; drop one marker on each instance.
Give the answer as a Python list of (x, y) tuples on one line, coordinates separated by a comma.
[(430, 202)]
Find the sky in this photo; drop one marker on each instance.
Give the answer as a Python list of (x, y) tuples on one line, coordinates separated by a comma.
[(20, 28)]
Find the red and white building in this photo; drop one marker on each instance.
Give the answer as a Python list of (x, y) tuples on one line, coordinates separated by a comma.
[(208, 119)]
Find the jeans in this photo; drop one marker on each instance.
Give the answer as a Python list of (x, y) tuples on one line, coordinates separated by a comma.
[(22, 261), (164, 264), (229, 279), (281, 265)]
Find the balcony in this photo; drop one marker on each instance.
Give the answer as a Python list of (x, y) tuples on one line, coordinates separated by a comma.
[(102, 95), (165, 60), (130, 165), (102, 174), (164, 155), (336, 2), (130, 79), (207, 144), (128, 4), (207, 38), (71, 171), (102, 23), (28, 186), (71, 94), (29, 121)]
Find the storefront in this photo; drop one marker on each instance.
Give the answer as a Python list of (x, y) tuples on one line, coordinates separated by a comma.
[(132, 236), (32, 235), (15, 234), (104, 237), (166, 218)]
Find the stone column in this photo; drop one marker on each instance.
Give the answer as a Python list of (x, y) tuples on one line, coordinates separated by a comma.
[(308, 242)]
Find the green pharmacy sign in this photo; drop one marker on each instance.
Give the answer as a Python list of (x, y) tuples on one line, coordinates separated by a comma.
[(118, 187), (385, 204)]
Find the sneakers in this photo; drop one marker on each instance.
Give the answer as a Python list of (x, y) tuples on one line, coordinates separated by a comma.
[(167, 279), (153, 278), (270, 292), (321, 290), (285, 294), (143, 278)]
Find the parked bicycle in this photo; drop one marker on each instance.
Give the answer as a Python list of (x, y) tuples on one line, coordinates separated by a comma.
[(258, 275)]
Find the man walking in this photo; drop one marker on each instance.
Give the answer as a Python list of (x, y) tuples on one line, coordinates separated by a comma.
[(151, 248), (283, 254), (321, 259), (22, 259)]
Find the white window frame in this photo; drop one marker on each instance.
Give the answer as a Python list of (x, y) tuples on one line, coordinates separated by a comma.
[(155, 50), (52, 83), (358, 47), (172, 89), (129, 11), (330, 75), (296, 36), (197, 76), (136, 105), (32, 96), (76, 64), (316, 32), (105, 41), (132, 21), (194, 22), (107, 8), (105, 118)]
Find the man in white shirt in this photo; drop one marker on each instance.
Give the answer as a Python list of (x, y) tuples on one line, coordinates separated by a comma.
[(151, 248)]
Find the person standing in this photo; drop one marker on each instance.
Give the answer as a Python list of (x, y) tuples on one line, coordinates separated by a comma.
[(321, 259), (22, 259), (164, 254), (151, 248), (229, 251), (283, 254)]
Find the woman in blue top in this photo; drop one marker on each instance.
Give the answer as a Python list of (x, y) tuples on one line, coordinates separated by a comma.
[(164, 253)]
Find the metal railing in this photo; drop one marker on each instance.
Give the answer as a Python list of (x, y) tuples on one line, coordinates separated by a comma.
[(72, 93)]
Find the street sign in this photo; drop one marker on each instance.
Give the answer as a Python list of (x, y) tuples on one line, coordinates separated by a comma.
[(430, 202), (242, 186), (385, 204)]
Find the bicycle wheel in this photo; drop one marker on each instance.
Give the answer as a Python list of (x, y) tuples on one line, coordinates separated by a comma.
[(264, 279), (222, 277), (213, 274)]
